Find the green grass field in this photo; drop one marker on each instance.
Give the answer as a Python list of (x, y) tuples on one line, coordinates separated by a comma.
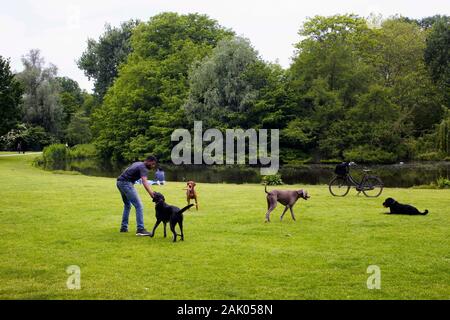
[(50, 221)]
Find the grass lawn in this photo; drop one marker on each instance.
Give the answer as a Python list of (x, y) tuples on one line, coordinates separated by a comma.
[(50, 221)]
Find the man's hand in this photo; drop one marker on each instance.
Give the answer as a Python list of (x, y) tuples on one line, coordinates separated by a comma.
[(147, 186)]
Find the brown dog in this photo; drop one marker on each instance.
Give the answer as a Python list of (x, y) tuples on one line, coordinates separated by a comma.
[(287, 198), (191, 193)]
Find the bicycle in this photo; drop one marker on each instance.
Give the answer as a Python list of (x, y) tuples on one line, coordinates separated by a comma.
[(340, 185)]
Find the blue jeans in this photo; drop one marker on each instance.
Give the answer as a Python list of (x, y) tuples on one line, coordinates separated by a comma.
[(130, 197)]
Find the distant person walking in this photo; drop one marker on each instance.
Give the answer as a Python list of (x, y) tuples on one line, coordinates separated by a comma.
[(20, 148), (125, 184)]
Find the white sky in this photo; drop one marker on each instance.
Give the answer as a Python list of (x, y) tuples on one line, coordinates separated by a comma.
[(60, 28)]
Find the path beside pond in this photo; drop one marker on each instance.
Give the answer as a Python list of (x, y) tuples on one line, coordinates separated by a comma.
[(19, 154)]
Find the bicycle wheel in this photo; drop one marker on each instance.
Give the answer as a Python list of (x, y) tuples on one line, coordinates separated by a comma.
[(339, 186), (372, 187)]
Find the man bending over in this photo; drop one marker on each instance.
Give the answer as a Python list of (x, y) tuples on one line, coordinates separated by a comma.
[(125, 184)]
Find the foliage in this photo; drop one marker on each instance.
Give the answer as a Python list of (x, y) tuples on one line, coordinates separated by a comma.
[(71, 87), (32, 138), (41, 102), (401, 66), (443, 183), (430, 156), (443, 136), (272, 180), (82, 151), (102, 58), (437, 54), (369, 154), (227, 87), (375, 89), (357, 86), (60, 153), (71, 98), (10, 98), (143, 107), (78, 131), (55, 153)]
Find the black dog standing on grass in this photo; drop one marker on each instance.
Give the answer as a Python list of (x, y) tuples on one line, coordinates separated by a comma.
[(167, 213), (398, 208)]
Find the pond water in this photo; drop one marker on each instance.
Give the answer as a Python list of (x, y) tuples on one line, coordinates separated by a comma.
[(396, 175)]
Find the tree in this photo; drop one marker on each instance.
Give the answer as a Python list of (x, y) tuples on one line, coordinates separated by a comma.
[(144, 105), (344, 72), (31, 138), (330, 70), (373, 130), (443, 136), (10, 98), (427, 22), (71, 98), (71, 87), (102, 58), (335, 49), (41, 101), (399, 50), (226, 86), (78, 131), (400, 65), (437, 55)]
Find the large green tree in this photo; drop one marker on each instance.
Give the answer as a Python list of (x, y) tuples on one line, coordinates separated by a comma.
[(342, 71), (144, 104), (231, 86), (71, 97), (330, 70), (41, 102), (10, 98), (78, 130), (399, 59), (437, 54), (102, 58)]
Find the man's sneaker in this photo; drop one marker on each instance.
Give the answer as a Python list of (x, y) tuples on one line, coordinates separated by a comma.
[(143, 233), (123, 230)]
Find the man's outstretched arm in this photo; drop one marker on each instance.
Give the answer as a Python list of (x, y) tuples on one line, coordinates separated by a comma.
[(147, 186)]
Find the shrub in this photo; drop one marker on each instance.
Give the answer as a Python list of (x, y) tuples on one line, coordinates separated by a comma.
[(37, 138), (78, 130), (82, 151), (55, 153), (443, 183), (430, 156), (61, 153), (272, 180), (38, 161), (368, 154)]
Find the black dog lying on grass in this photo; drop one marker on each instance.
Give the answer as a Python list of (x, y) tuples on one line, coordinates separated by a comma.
[(167, 213), (398, 208)]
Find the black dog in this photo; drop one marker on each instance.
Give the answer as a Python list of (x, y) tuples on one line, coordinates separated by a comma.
[(398, 208), (167, 213)]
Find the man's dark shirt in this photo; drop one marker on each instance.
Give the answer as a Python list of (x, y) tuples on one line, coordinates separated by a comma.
[(134, 172)]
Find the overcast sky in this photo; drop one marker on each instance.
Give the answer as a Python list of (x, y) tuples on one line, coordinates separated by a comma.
[(60, 28)]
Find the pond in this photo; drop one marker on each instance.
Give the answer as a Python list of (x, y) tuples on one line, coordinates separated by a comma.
[(396, 175)]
